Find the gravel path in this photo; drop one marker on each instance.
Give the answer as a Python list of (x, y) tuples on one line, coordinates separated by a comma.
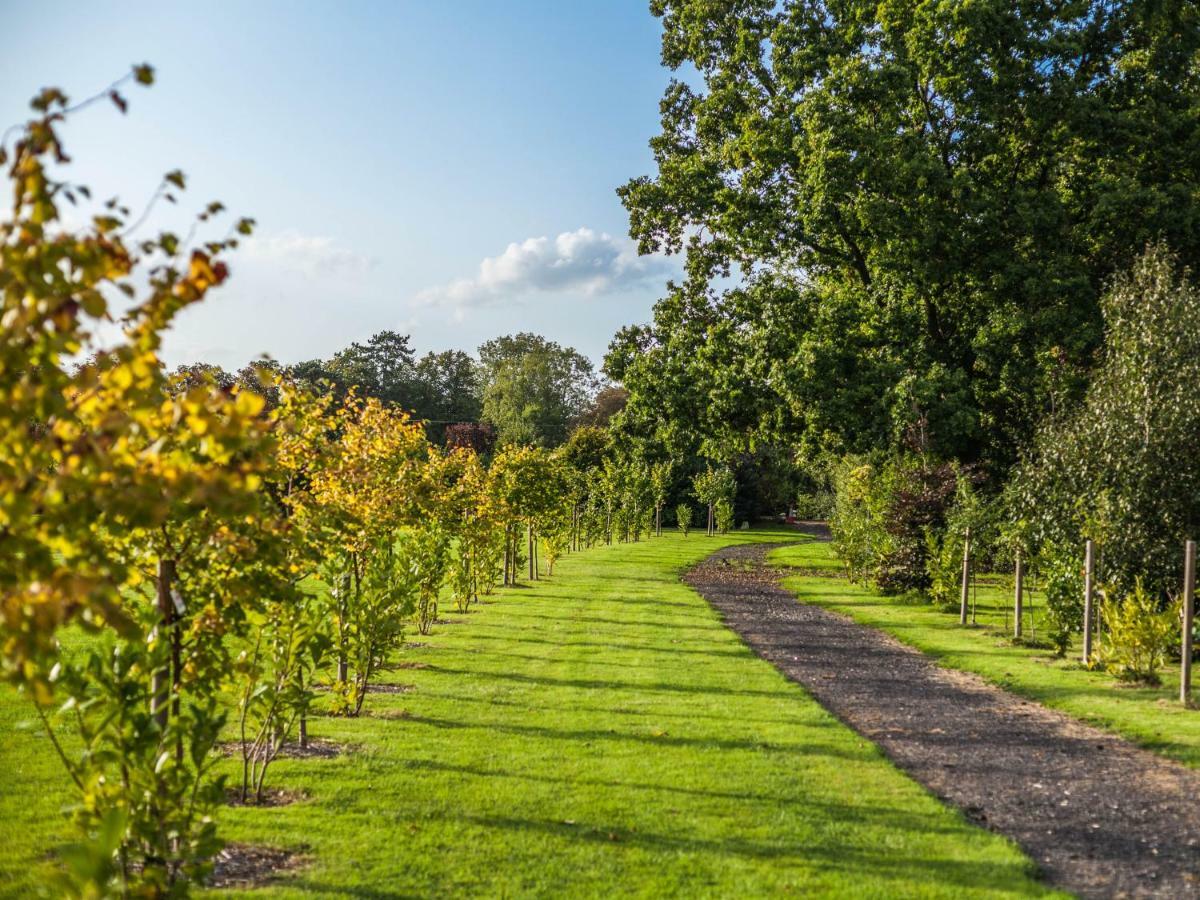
[(1101, 817)]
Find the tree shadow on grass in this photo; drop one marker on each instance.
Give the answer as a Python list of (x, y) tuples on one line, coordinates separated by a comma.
[(885, 816), (682, 714), (707, 627), (852, 862), (542, 732), (725, 647), (606, 683)]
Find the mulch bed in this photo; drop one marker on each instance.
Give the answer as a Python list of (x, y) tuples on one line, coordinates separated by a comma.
[(1101, 817), (249, 866), (390, 688), (317, 748), (272, 797)]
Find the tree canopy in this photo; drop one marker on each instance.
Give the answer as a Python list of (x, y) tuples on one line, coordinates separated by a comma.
[(535, 389), (923, 200)]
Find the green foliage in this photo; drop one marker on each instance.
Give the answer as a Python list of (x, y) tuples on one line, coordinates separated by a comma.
[(1061, 570), (714, 487), (1138, 633), (723, 515), (683, 518), (424, 557), (534, 389), (145, 781), (953, 224), (1122, 469), (890, 516), (856, 523), (815, 505), (944, 546), (275, 675)]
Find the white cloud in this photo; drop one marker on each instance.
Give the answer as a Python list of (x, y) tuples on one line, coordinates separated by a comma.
[(585, 261), (310, 255)]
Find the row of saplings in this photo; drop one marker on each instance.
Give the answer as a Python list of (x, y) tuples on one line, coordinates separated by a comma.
[(332, 530), (920, 530), (1099, 508), (338, 527), (212, 553), (325, 531)]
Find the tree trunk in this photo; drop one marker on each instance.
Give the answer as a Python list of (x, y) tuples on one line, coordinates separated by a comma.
[(168, 676)]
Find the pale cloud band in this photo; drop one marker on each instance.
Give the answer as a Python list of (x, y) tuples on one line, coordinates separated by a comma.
[(585, 261), (311, 255)]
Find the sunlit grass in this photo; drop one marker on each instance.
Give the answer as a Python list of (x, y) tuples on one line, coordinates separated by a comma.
[(599, 733)]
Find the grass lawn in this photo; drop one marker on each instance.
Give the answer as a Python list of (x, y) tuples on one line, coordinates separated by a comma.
[(597, 734), (1150, 716)]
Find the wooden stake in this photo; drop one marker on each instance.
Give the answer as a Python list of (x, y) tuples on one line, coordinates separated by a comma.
[(1018, 592), (966, 578), (1189, 592), (1089, 572)]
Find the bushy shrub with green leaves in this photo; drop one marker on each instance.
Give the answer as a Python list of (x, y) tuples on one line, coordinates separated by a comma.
[(1138, 634), (944, 546), (883, 513), (683, 518), (723, 515), (856, 522)]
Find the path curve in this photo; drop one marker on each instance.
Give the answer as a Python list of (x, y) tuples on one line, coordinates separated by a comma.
[(1101, 817)]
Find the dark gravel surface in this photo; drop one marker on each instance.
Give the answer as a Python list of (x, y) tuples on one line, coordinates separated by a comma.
[(1101, 817)]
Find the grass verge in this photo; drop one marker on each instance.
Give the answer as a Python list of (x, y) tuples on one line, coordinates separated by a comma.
[(1151, 717)]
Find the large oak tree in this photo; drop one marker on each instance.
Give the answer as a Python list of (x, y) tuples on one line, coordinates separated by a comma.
[(924, 199)]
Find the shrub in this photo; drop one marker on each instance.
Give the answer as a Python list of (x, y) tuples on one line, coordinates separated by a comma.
[(882, 516), (857, 517), (944, 566), (944, 547), (1139, 633), (683, 518)]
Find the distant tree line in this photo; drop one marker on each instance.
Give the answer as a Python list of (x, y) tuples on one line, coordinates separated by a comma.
[(520, 389)]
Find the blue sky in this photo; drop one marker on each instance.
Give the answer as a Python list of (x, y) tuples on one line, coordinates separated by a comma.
[(444, 169)]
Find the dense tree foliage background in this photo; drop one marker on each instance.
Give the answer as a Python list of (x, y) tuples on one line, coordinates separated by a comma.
[(923, 202)]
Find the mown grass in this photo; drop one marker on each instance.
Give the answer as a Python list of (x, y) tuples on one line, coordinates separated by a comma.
[(600, 733), (1149, 716)]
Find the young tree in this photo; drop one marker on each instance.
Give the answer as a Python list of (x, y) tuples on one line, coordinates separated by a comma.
[(369, 490), (1122, 468), (713, 487), (661, 474), (133, 508)]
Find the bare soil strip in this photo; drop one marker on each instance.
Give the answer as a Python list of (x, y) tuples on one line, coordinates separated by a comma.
[(1101, 817)]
